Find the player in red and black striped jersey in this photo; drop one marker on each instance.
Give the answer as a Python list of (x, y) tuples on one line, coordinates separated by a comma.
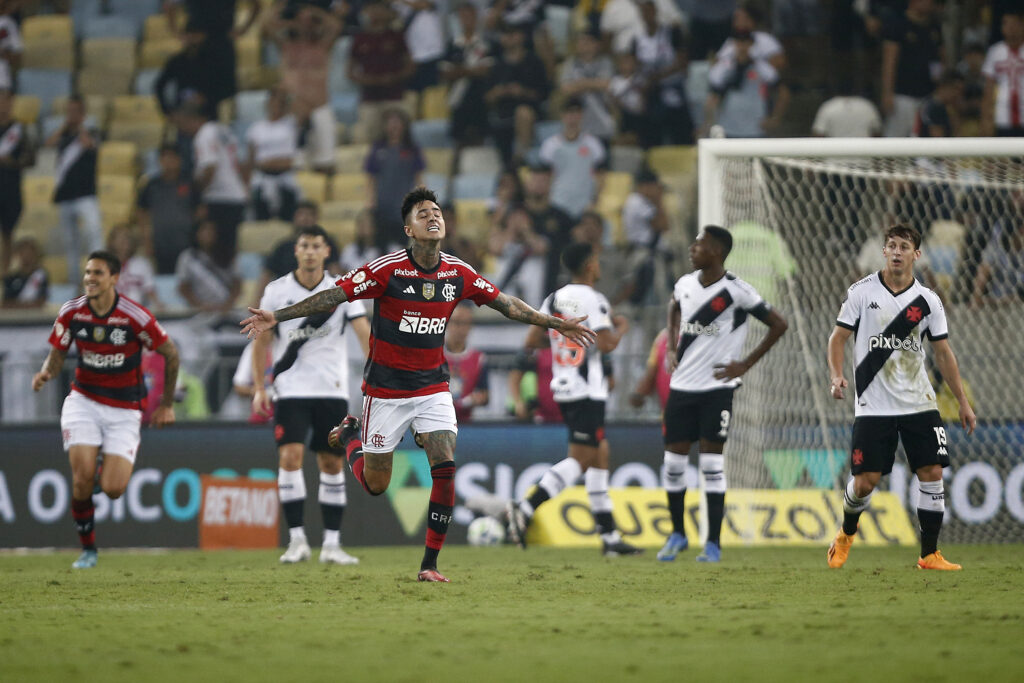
[(414, 292), (103, 412)]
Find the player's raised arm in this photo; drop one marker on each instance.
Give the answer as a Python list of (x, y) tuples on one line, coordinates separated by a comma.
[(261, 320), (517, 309), (836, 357)]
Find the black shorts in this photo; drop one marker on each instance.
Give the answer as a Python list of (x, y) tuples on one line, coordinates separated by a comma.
[(873, 448), (10, 209), (585, 421), (694, 415), (293, 418)]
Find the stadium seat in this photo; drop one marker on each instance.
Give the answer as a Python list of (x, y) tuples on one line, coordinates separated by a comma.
[(38, 220), (342, 232), (349, 187), (117, 157), (345, 106), (44, 54), (118, 189), (438, 159), (145, 82), (114, 213), (617, 184), (103, 80), (135, 108), (109, 53), (47, 27), (249, 264), (138, 10), (83, 10), (56, 266), (341, 211), (626, 158), (247, 50), (46, 84), (434, 103), (36, 190), (673, 160), (438, 182), (313, 185), (350, 158), (154, 53), (260, 236), (166, 287), (109, 26), (60, 292), (480, 160), (474, 186), (145, 134), (473, 216), (155, 27), (251, 105), (431, 133), (97, 109), (26, 109), (46, 162)]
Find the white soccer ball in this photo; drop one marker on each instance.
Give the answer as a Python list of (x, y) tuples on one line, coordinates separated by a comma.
[(484, 531)]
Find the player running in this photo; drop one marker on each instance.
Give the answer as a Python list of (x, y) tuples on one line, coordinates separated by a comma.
[(707, 321), (405, 382), (890, 313), (102, 414), (580, 387), (311, 387)]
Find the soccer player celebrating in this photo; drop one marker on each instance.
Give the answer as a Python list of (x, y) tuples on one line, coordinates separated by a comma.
[(102, 414), (890, 313), (406, 380), (311, 385), (580, 387), (707, 326)]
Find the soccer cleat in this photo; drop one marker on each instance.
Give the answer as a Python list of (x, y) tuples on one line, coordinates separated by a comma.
[(937, 561), (298, 551), (675, 544), (87, 560), (340, 435), (335, 555), (620, 549), (432, 575), (839, 550), (712, 553), (517, 524)]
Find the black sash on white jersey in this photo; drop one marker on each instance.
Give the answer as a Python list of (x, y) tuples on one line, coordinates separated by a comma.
[(705, 315), (291, 353), (900, 327)]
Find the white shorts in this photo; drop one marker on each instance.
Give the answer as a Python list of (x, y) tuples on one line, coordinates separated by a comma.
[(322, 137), (385, 420), (85, 422)]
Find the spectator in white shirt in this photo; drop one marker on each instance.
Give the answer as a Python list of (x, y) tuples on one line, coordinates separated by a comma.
[(746, 97), (586, 75), (424, 34), (847, 115), (621, 21), (202, 282), (137, 278), (748, 19), (273, 144), (1003, 104)]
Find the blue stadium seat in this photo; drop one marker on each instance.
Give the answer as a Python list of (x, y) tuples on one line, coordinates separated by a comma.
[(166, 287), (46, 84), (697, 89), (431, 133), (346, 107), (84, 9), (542, 130), (110, 26), (250, 264), (473, 186), (438, 182), (60, 293), (251, 105), (337, 80), (145, 80), (137, 10)]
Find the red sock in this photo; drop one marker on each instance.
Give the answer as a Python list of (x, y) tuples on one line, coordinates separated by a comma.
[(354, 455), (83, 512), (439, 513)]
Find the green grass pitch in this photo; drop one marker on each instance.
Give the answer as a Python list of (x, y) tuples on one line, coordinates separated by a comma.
[(764, 614)]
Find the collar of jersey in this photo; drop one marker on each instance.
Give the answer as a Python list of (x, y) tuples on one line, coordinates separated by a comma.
[(913, 282), (418, 267)]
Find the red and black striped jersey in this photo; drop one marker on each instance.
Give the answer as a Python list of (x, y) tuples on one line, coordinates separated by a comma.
[(411, 309), (109, 349)]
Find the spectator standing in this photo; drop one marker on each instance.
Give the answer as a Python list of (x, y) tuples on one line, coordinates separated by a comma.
[(136, 280), (748, 18), (16, 154), (644, 221), (710, 25), (1003, 104), (621, 21), (424, 36), (393, 167), (1000, 277), (281, 259), (273, 144), (527, 15), (847, 115), (743, 93), (185, 78), (305, 39), (28, 285), (628, 92), (11, 47), (468, 366), (912, 58), (661, 55), (203, 281), (971, 68), (587, 75), (939, 113), (75, 193), (554, 224), (363, 248), (519, 253), (577, 160), (380, 64), (516, 91), (166, 208), (465, 68)]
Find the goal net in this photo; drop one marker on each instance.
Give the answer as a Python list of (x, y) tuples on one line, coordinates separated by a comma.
[(807, 217)]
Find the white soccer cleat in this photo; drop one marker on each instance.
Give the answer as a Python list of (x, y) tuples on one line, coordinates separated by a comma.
[(298, 551), (335, 555)]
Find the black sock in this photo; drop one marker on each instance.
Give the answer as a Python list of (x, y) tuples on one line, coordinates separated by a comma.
[(931, 524), (429, 558), (605, 522), (850, 520), (677, 510), (332, 516), (538, 496), (716, 510), (293, 512), (83, 512)]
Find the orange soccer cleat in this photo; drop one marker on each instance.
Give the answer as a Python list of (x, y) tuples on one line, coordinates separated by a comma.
[(839, 550), (432, 575), (937, 561)]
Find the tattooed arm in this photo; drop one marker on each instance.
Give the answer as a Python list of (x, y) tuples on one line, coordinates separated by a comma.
[(164, 415), (517, 309), (51, 366), (261, 320)]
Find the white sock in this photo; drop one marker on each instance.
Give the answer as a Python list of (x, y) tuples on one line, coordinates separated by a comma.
[(332, 538), (296, 533), (561, 475)]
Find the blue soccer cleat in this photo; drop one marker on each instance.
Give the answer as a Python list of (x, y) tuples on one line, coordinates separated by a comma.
[(675, 544), (712, 553), (87, 560)]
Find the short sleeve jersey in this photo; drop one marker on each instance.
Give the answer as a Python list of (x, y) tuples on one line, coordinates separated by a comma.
[(215, 146), (411, 308), (310, 354), (889, 330), (109, 349), (712, 329), (577, 371)]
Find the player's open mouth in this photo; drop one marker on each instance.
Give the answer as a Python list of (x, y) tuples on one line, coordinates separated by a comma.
[(433, 227)]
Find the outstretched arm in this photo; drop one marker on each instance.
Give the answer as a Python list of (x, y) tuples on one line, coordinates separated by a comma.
[(950, 370), (261, 320), (517, 309), (51, 366)]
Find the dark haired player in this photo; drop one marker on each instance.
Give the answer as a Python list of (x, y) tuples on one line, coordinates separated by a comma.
[(579, 385), (311, 387), (707, 327), (405, 382), (890, 313), (103, 412)]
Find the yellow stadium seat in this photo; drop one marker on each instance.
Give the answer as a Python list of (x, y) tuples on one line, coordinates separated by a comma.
[(26, 108), (434, 103), (38, 221), (673, 160), (49, 54), (117, 157), (157, 28), (96, 106), (154, 53), (473, 218), (115, 188), (342, 232), (617, 184), (313, 185), (439, 160), (114, 213), (259, 236), (145, 134), (336, 212), (47, 27), (135, 108), (110, 53), (349, 187), (350, 158), (248, 50), (57, 268), (37, 190), (104, 80)]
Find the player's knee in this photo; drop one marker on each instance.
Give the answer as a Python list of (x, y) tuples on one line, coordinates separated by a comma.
[(929, 473), (81, 489), (376, 481), (114, 491)]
